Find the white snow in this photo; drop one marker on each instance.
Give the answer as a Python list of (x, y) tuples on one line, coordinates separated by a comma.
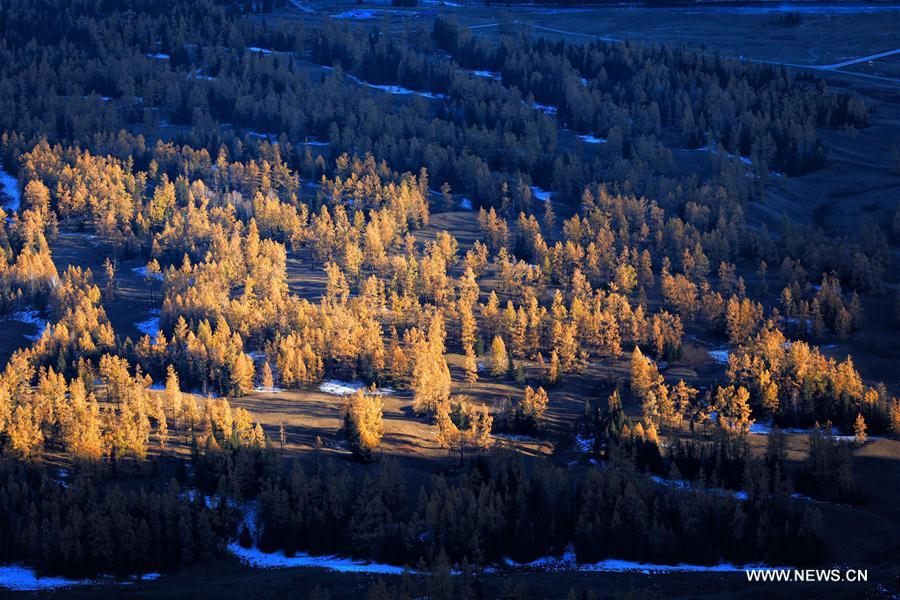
[(313, 142), (396, 89), (149, 326), (544, 108), (465, 204), (720, 356), (23, 579), (150, 576), (568, 562), (712, 150), (158, 55), (761, 428), (267, 390), (260, 50), (262, 136), (30, 317), (142, 271), (590, 139), (487, 75), (9, 191), (540, 194), (256, 558), (683, 484), (355, 14), (583, 443), (337, 387), (766, 429)]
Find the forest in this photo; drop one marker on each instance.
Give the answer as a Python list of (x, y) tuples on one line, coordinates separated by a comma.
[(489, 240)]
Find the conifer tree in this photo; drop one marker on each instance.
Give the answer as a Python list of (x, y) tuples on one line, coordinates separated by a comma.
[(363, 424), (499, 358), (859, 430)]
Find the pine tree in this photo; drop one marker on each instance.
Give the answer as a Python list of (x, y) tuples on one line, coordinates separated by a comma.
[(554, 373), (173, 394), (644, 376), (859, 430), (470, 365), (499, 357), (267, 380), (363, 424)]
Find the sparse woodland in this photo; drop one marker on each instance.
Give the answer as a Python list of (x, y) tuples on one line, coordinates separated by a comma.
[(194, 164)]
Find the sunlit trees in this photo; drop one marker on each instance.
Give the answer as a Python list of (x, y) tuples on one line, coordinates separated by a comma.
[(499, 357), (363, 424), (430, 374), (460, 423)]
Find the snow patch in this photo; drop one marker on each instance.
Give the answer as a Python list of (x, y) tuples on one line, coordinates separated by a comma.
[(142, 271), (276, 560), (487, 75), (23, 579), (310, 141), (683, 484), (720, 356), (590, 139), (30, 317), (540, 194), (158, 56), (149, 326), (584, 443), (396, 89), (361, 15), (544, 108), (337, 387), (465, 204), (9, 191), (568, 562)]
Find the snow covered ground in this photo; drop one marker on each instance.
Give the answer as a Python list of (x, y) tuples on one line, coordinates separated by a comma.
[(149, 326), (23, 579), (539, 193), (361, 15), (267, 390), (683, 484), (568, 562), (487, 75), (142, 271), (31, 317), (766, 429), (158, 55), (590, 139), (544, 108), (9, 191), (337, 387), (396, 89), (256, 558), (311, 141), (583, 443), (720, 356)]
